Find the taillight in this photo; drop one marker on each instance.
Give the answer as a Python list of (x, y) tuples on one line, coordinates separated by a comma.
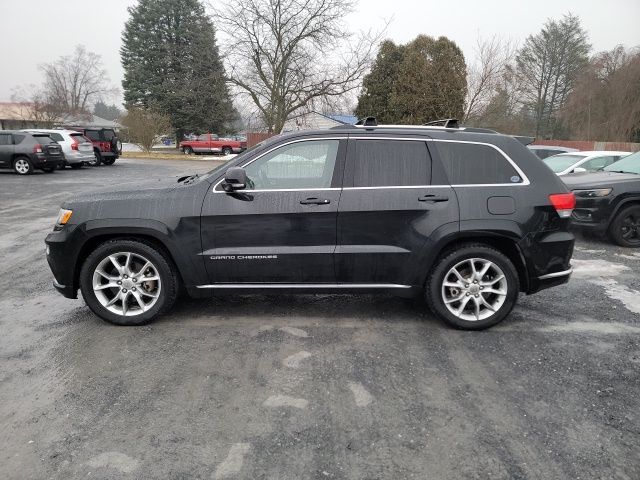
[(74, 143), (564, 203), (37, 148)]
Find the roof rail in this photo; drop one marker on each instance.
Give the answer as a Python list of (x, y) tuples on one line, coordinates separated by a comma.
[(446, 123), (367, 122)]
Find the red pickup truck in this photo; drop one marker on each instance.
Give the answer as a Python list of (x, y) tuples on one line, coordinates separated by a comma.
[(211, 143)]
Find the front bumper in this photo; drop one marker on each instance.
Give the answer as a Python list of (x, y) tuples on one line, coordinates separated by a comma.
[(61, 251)]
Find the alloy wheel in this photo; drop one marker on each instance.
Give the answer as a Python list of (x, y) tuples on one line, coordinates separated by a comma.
[(22, 166), (474, 289), (126, 283), (630, 228)]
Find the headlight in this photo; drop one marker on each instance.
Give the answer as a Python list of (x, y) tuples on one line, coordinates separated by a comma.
[(595, 193), (64, 216)]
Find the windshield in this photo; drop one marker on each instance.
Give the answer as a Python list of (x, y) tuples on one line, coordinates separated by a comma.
[(630, 164), (559, 163)]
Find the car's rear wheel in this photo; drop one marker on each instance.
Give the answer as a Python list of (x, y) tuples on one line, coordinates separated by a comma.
[(128, 282), (187, 150), (22, 166), (108, 161), (227, 151), (473, 287), (625, 228)]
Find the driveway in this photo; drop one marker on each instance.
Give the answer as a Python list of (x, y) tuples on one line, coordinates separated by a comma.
[(312, 386)]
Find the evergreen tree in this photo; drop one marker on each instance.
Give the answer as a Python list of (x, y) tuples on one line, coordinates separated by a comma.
[(110, 112), (415, 83), (172, 64)]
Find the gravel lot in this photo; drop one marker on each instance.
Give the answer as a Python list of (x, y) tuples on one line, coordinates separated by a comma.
[(301, 387)]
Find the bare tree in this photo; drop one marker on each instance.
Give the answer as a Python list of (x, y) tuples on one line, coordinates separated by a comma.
[(284, 54), (75, 82), (486, 74), (145, 125), (33, 106)]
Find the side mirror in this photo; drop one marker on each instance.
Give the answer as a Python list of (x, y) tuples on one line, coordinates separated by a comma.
[(579, 170), (235, 178)]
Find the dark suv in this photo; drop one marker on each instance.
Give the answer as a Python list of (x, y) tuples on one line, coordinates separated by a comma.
[(25, 152), (466, 217), (106, 144), (608, 201)]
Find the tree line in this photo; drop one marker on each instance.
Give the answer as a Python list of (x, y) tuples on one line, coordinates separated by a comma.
[(279, 58)]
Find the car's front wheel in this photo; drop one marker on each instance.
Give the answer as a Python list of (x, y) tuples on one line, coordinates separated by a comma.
[(227, 151), (128, 282), (187, 150), (625, 228), (473, 287)]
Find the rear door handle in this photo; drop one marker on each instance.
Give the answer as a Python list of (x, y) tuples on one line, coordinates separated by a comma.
[(433, 198), (315, 201)]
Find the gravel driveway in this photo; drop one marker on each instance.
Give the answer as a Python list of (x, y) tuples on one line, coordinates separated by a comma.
[(313, 386)]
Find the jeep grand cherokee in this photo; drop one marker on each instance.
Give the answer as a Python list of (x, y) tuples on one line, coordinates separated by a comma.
[(466, 217)]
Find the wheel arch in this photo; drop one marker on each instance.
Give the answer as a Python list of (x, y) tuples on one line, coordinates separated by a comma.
[(503, 241), (625, 202)]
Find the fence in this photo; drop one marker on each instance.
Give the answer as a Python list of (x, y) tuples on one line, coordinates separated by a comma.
[(253, 138), (587, 145)]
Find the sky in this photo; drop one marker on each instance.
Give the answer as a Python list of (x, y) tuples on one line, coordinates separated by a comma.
[(52, 28)]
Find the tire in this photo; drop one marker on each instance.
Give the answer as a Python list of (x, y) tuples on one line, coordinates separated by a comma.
[(227, 151), (187, 150), (109, 161), (625, 227), (465, 293), (76, 166), (160, 291), (98, 159), (22, 166)]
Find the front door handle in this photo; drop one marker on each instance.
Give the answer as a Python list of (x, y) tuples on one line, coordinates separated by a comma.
[(433, 198), (315, 201)]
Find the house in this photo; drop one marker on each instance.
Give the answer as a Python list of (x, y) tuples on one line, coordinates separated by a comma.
[(317, 121), (20, 115)]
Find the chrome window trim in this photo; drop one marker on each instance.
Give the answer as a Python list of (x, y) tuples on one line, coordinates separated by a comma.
[(525, 180), (275, 148), (303, 285)]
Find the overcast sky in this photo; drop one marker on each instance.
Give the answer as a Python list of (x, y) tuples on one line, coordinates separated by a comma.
[(37, 31)]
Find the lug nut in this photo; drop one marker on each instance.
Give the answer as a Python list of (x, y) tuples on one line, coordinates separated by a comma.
[(126, 276), (133, 289), (477, 295), (135, 279), (468, 294), (481, 288), (119, 282), (124, 290)]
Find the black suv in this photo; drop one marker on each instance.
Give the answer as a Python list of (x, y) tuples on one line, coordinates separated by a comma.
[(467, 217), (25, 152), (608, 201)]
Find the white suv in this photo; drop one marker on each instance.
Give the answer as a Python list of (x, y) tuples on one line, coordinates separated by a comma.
[(77, 149)]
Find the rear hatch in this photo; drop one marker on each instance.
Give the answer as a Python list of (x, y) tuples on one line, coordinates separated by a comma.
[(84, 144), (50, 148)]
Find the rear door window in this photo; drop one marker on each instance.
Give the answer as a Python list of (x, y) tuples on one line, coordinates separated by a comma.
[(5, 139), (475, 164), (389, 163)]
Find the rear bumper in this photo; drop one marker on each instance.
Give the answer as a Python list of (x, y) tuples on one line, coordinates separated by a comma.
[(40, 160), (548, 260), (76, 158)]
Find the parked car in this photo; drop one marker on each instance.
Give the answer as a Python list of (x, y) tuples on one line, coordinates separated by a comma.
[(211, 143), (608, 201), (107, 147), (565, 163), (25, 152), (76, 148), (544, 151), (467, 219)]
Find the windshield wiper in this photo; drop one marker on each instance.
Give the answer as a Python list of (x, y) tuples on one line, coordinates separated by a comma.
[(188, 178), (622, 171)]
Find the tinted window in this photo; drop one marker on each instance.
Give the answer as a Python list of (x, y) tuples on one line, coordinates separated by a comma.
[(5, 139), (475, 164), (42, 138), (385, 163), (79, 137), (92, 134), (18, 138), (306, 164), (56, 136), (108, 134)]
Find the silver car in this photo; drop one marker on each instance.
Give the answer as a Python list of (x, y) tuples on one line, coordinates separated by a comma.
[(77, 149), (578, 162)]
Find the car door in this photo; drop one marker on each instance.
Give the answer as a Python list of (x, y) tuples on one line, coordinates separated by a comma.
[(202, 144), (282, 227), (6, 149), (389, 210)]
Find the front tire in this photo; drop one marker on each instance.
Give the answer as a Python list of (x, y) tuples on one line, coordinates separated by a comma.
[(227, 151), (625, 228), (128, 282), (473, 287), (187, 150)]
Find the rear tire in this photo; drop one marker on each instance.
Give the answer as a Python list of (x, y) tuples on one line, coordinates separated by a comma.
[(481, 293), (108, 161), (625, 227), (22, 166), (227, 151), (131, 300), (187, 150)]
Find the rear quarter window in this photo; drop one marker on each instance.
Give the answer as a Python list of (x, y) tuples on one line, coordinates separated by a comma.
[(94, 135), (17, 138), (475, 164)]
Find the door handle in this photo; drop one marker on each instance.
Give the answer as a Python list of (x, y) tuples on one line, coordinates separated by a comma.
[(433, 198), (315, 201)]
